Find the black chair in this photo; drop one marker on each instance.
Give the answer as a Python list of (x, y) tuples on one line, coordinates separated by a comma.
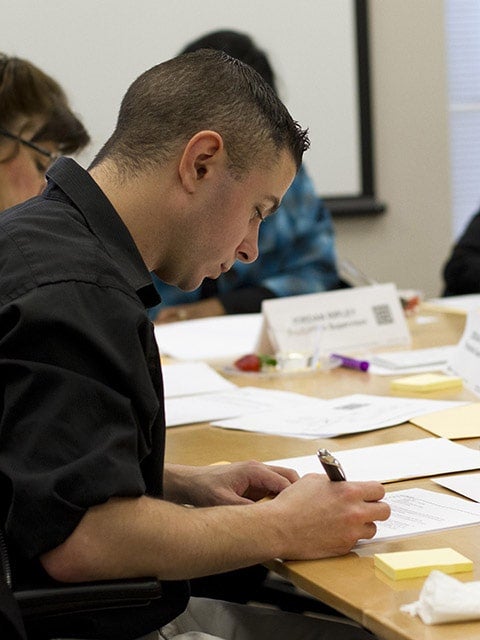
[(11, 623), (117, 609)]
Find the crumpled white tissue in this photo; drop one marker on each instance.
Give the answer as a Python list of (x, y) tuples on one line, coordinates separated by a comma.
[(446, 599)]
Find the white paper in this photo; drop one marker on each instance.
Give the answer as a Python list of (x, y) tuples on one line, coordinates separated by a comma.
[(239, 401), (395, 461), (189, 378), (415, 511), (410, 361), (465, 359), (216, 338), (348, 319), (328, 418), (459, 304), (468, 484)]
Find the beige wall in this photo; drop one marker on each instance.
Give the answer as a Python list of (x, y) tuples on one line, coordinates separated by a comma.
[(409, 243)]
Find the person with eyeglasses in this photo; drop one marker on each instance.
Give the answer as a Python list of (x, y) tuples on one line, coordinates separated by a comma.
[(36, 126)]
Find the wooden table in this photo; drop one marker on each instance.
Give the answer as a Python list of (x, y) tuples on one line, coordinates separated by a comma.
[(350, 583)]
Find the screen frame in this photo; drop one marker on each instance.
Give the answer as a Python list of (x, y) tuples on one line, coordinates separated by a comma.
[(365, 202)]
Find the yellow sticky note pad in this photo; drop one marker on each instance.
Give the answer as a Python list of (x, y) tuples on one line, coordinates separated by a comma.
[(424, 382), (415, 564)]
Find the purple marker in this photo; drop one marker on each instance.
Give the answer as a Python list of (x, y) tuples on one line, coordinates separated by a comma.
[(351, 363)]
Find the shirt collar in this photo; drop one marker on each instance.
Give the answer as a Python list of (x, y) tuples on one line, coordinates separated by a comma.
[(85, 194)]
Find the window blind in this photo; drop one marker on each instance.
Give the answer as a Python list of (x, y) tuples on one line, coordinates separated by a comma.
[(462, 24)]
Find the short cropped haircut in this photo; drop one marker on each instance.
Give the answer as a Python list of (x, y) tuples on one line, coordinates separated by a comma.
[(238, 45), (204, 90), (26, 92)]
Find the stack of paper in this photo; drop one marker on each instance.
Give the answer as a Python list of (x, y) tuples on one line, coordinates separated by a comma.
[(411, 361), (395, 461)]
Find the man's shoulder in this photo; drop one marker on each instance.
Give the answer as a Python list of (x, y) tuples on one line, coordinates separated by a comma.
[(47, 241)]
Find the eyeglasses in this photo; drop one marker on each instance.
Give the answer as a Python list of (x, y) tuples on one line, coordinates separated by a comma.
[(29, 144)]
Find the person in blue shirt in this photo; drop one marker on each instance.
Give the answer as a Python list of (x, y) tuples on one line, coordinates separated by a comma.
[(296, 245)]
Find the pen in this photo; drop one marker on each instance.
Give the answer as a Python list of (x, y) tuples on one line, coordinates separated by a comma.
[(351, 363), (332, 466)]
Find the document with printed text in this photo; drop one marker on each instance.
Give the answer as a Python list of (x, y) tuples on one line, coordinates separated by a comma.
[(340, 416), (416, 511)]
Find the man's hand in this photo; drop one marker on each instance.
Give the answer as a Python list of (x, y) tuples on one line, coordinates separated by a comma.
[(322, 518), (236, 483)]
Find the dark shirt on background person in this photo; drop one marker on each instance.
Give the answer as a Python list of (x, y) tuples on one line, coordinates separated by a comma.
[(462, 271)]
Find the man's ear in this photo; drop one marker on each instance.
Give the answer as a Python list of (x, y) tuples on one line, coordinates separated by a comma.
[(201, 155)]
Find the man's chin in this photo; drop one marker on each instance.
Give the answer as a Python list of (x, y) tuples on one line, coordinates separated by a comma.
[(190, 286), (186, 285)]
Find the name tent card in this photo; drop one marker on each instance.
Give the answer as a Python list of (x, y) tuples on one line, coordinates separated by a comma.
[(343, 320), (465, 360)]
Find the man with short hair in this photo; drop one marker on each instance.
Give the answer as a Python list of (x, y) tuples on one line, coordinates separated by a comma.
[(203, 151)]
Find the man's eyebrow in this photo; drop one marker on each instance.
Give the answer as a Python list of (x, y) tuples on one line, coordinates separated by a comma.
[(275, 204)]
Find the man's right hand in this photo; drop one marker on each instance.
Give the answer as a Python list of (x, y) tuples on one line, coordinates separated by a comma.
[(322, 518)]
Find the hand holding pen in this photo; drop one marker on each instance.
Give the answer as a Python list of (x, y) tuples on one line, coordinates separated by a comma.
[(335, 473), (328, 517)]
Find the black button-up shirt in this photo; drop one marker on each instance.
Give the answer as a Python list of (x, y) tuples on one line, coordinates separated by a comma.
[(82, 415)]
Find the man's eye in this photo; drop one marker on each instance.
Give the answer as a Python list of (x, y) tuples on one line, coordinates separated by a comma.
[(41, 168), (259, 214)]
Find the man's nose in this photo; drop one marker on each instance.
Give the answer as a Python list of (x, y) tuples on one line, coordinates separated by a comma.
[(247, 251)]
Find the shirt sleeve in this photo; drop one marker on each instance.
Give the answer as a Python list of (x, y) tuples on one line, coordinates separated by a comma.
[(462, 270), (79, 404)]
